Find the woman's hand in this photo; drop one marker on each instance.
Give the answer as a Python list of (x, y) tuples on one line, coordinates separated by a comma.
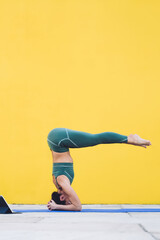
[(51, 205)]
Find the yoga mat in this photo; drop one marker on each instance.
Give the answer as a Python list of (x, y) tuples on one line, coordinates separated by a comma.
[(94, 210)]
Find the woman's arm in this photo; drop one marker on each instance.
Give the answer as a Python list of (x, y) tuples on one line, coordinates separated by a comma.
[(53, 206), (74, 199)]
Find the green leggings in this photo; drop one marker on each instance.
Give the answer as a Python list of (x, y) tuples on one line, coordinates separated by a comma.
[(61, 139)]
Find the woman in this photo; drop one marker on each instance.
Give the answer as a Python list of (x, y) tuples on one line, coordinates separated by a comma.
[(59, 141)]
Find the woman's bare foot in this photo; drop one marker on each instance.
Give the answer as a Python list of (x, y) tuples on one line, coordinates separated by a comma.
[(134, 139)]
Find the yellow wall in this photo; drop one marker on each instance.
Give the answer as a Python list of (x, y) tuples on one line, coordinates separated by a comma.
[(86, 65)]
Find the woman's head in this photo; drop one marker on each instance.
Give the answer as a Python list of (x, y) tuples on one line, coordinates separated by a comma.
[(61, 197), (58, 198)]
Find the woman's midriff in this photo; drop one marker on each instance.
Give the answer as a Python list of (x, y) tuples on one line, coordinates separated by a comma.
[(61, 157)]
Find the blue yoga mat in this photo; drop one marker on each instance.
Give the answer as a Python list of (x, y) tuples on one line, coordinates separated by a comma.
[(94, 210)]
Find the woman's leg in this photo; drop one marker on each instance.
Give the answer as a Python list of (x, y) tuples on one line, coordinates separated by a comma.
[(61, 139), (79, 139)]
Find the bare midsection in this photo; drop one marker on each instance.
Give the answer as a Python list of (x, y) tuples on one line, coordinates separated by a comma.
[(61, 157)]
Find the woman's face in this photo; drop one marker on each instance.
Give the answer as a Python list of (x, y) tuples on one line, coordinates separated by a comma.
[(64, 196)]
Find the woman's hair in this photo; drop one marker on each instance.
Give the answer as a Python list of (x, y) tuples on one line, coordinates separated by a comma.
[(56, 198)]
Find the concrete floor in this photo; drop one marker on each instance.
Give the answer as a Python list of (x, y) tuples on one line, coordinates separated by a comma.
[(77, 225)]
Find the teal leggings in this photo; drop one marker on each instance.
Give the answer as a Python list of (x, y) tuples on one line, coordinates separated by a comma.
[(61, 139)]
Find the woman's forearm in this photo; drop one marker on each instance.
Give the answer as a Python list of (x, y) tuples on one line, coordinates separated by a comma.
[(69, 207)]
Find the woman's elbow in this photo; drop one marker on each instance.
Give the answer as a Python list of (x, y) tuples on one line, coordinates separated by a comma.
[(79, 208)]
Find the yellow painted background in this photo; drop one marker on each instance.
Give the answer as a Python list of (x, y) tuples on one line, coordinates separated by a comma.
[(88, 65)]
